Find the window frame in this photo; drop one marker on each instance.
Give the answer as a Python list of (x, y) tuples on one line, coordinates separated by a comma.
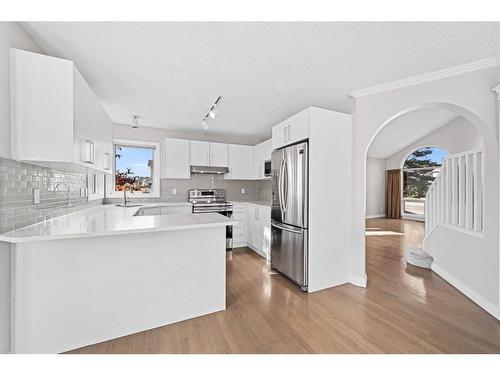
[(155, 192)]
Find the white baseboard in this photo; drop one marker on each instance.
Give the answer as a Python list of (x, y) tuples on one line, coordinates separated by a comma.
[(374, 216), (468, 292), (259, 252), (359, 281)]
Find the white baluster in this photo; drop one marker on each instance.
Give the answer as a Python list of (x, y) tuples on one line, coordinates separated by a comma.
[(478, 189), (461, 191), (469, 199)]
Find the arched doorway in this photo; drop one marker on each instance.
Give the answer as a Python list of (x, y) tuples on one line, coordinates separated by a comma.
[(414, 142), (418, 170)]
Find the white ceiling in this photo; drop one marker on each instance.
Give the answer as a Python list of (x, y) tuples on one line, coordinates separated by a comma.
[(170, 73), (407, 129)]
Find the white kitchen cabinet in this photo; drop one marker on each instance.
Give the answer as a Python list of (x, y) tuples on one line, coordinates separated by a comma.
[(55, 117), (292, 130), (177, 158), (261, 153), (239, 235), (219, 155), (209, 154), (258, 229), (200, 153), (92, 127), (240, 162)]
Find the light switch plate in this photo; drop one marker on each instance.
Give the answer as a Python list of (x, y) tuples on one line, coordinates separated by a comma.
[(174, 191), (242, 190), (36, 196)]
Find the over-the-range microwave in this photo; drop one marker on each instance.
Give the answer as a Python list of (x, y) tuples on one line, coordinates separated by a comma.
[(267, 168)]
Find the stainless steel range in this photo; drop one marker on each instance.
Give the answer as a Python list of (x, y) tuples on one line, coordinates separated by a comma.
[(213, 200)]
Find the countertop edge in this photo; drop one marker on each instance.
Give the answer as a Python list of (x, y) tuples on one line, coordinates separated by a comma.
[(14, 240)]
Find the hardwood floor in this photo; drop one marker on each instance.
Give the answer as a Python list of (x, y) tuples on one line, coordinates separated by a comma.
[(405, 309)]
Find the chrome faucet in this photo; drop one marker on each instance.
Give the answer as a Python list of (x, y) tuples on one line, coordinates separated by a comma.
[(125, 200)]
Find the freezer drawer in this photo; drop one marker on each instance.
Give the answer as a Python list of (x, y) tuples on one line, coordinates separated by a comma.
[(289, 252)]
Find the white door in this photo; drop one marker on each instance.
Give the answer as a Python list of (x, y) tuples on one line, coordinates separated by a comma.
[(200, 153), (240, 162), (177, 158), (219, 155)]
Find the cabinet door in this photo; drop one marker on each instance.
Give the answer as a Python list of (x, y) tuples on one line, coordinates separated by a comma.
[(219, 155), (262, 152), (298, 128), (259, 229), (177, 158), (41, 107), (279, 135), (240, 162), (265, 220), (250, 224), (200, 153), (92, 127)]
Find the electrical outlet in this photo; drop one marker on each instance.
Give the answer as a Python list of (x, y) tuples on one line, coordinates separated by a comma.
[(174, 191), (242, 190), (36, 196)]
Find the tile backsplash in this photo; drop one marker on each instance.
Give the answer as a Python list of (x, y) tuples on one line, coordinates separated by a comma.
[(59, 194), (259, 190)]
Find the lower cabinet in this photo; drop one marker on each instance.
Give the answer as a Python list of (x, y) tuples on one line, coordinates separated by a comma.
[(254, 228)]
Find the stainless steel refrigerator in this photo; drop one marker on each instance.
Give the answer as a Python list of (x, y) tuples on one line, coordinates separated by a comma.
[(289, 212)]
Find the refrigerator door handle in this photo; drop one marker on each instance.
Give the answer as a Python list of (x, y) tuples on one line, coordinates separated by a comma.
[(285, 228), (285, 185), (280, 186)]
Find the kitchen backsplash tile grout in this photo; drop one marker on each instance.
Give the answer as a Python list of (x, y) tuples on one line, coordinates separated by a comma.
[(17, 181), (255, 190)]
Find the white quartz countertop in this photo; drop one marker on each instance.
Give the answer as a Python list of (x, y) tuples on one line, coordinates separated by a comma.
[(257, 203), (106, 220)]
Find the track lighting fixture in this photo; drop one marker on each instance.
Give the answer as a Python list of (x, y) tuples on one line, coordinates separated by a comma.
[(135, 122), (211, 114)]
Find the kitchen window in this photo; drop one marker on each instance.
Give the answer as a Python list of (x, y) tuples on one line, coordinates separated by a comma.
[(136, 169)]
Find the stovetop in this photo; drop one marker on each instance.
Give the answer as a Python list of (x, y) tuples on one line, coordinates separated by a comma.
[(209, 200)]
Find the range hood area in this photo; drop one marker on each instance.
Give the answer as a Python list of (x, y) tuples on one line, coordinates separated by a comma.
[(202, 169)]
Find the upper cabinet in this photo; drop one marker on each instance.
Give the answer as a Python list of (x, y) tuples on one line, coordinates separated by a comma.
[(219, 155), (55, 116), (261, 153), (209, 154), (200, 153), (177, 158), (292, 130), (240, 162)]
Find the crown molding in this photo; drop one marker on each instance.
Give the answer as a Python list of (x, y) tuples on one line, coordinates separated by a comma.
[(428, 77)]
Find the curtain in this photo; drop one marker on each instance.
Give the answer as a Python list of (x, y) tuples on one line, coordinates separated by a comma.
[(393, 194)]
